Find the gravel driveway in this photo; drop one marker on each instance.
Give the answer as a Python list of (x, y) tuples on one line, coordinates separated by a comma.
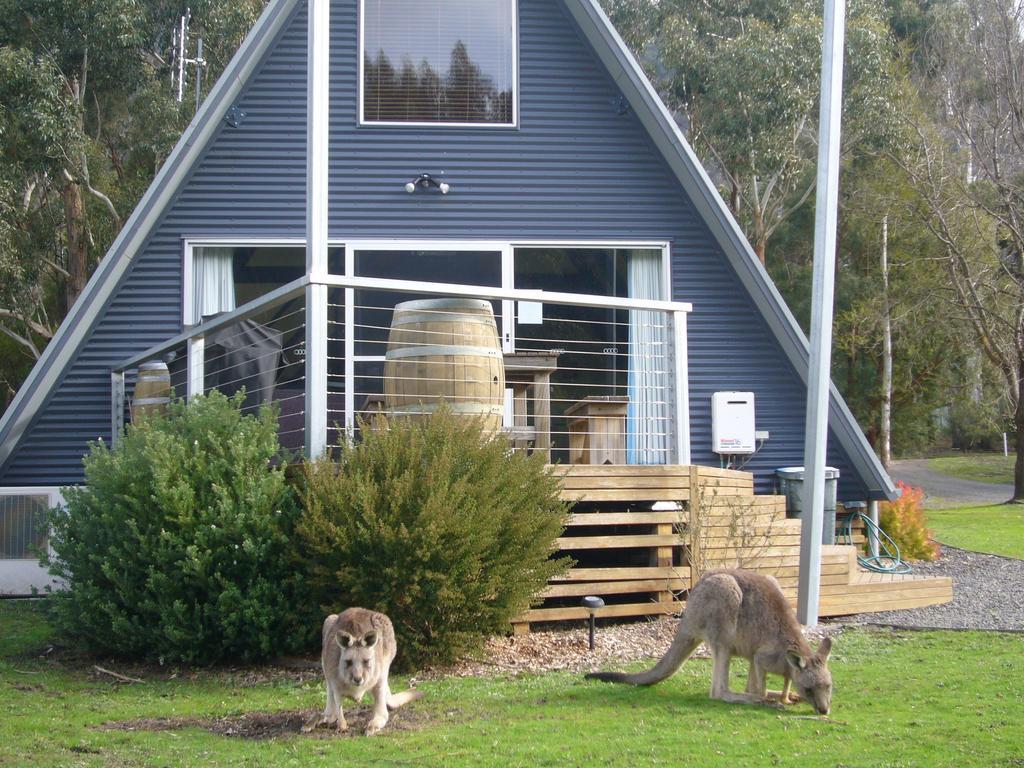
[(988, 593), (944, 491)]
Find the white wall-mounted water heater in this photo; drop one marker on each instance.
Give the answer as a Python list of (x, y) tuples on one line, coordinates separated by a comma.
[(732, 423)]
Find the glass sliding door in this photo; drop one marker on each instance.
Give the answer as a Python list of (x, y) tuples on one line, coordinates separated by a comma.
[(373, 309), (606, 357)]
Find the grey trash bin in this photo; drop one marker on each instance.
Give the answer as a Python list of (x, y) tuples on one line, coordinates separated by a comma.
[(791, 485)]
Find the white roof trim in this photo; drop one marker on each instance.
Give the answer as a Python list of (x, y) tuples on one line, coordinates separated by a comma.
[(654, 115), (51, 366)]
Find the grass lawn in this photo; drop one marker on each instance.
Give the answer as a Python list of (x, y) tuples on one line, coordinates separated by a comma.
[(981, 467), (915, 699), (998, 530)]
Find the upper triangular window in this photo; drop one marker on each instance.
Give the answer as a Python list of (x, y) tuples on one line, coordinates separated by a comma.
[(450, 62)]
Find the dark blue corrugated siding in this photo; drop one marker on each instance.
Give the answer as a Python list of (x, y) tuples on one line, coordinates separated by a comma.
[(573, 170)]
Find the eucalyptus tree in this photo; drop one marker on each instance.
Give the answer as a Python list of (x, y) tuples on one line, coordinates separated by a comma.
[(743, 78), (87, 116), (968, 172)]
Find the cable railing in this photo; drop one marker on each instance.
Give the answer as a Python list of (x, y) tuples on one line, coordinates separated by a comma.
[(583, 380)]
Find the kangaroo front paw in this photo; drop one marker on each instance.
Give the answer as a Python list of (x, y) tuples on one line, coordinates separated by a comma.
[(375, 725), (341, 725), (313, 724)]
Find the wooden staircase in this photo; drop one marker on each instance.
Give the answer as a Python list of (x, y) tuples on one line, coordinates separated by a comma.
[(640, 555)]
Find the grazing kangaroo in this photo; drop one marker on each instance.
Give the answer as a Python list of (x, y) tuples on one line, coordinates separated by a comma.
[(358, 648), (740, 613)]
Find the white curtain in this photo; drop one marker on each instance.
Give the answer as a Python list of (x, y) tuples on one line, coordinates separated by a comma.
[(213, 282), (647, 415)]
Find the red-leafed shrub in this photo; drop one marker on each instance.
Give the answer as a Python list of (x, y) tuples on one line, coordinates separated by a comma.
[(904, 521)]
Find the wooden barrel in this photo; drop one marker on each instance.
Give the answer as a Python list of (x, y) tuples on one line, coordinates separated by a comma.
[(445, 350), (152, 389)]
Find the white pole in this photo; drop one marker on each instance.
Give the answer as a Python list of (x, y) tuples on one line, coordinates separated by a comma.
[(682, 387), (1006, 446), (317, 132), (873, 538), (826, 214)]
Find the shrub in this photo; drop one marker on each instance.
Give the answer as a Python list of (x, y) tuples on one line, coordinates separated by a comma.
[(177, 547), (435, 525), (904, 521)]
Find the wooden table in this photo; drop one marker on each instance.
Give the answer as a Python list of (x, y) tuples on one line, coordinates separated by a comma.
[(528, 375), (597, 430)]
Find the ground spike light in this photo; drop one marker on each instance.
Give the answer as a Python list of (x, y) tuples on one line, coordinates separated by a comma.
[(592, 603), (426, 181)]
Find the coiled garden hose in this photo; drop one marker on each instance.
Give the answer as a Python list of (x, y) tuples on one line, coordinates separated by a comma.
[(888, 558)]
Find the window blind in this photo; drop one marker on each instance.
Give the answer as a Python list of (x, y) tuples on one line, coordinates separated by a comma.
[(438, 61)]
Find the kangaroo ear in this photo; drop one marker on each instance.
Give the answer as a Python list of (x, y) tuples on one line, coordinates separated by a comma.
[(370, 639), (344, 640), (796, 661), (825, 648)]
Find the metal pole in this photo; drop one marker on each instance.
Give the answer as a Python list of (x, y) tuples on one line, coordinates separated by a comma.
[(681, 381), (873, 546), (826, 213), (116, 407), (317, 150), (200, 64)]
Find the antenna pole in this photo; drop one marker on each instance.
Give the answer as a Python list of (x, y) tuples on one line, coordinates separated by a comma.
[(200, 63), (182, 48)]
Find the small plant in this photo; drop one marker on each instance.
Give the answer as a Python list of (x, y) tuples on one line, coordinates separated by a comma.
[(435, 525), (177, 547), (904, 521)]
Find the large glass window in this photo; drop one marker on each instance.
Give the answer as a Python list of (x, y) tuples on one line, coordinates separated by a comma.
[(438, 61)]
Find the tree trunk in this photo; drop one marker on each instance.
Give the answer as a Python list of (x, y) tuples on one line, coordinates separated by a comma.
[(760, 236), (885, 436), (78, 244), (1018, 420)]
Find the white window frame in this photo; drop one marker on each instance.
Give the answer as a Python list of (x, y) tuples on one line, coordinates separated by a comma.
[(363, 122), (189, 246), (18, 576)]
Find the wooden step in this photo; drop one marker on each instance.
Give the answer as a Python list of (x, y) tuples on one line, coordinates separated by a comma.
[(886, 596), (621, 574), (573, 543), (625, 609), (601, 588), (625, 518)]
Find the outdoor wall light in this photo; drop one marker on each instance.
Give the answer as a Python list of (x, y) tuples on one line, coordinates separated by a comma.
[(426, 181)]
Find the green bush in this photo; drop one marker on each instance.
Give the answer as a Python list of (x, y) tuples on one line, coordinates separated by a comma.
[(445, 531), (178, 546), (905, 523)]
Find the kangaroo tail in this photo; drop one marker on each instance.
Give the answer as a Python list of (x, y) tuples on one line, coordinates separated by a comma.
[(682, 646), (397, 700)]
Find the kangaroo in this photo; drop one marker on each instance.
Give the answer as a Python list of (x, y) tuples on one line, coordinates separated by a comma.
[(740, 613), (358, 648)]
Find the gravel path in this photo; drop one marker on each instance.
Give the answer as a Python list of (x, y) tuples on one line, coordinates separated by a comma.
[(988, 593), (945, 491), (566, 648)]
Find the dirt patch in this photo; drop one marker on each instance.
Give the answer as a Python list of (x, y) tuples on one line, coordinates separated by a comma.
[(259, 726)]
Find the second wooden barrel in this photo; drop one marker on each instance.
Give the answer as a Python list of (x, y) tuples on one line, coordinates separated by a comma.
[(152, 389), (445, 350)]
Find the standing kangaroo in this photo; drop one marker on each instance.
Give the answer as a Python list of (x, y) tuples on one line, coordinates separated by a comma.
[(358, 648), (740, 613)]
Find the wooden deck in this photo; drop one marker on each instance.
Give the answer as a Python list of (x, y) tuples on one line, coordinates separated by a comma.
[(642, 560)]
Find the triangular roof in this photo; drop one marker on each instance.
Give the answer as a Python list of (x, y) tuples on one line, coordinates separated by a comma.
[(635, 87)]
